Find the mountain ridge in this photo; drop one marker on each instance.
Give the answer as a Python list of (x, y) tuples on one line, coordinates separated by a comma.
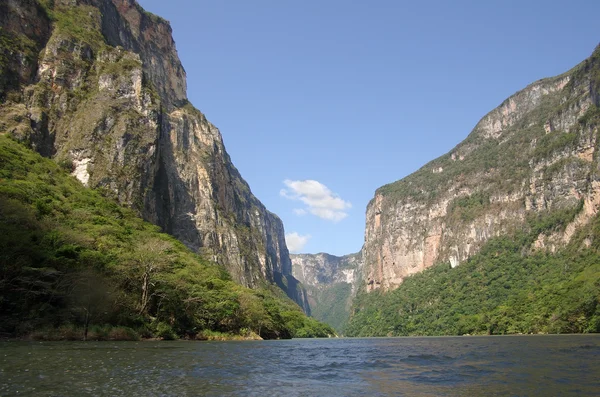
[(420, 220)]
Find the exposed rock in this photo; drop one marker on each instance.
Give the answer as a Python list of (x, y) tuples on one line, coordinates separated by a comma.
[(535, 154), (102, 88), (331, 282), (324, 269)]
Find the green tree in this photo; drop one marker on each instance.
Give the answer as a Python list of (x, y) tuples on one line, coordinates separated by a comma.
[(254, 311), (146, 261)]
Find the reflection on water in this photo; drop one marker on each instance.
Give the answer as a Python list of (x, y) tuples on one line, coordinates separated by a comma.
[(460, 366)]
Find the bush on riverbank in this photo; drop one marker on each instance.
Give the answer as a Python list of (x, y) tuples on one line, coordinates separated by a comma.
[(245, 334)]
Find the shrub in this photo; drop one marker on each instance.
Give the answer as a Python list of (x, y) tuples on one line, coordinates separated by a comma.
[(165, 331)]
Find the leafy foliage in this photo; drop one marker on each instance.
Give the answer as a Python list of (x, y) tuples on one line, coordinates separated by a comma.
[(17, 52), (81, 22), (468, 208), (11, 44), (554, 142), (332, 304), (502, 290), (75, 264)]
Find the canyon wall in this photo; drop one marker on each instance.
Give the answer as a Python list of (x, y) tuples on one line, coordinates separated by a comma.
[(98, 86), (536, 154)]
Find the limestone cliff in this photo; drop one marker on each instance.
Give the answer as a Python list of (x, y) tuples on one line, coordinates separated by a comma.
[(98, 85), (331, 282), (536, 154)]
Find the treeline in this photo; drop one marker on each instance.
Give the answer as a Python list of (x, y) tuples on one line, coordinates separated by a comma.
[(74, 264), (508, 288)]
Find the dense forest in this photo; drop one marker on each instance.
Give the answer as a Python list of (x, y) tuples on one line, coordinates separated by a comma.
[(76, 265), (507, 288), (332, 304)]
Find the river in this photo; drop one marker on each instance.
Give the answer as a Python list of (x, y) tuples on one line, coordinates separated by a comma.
[(446, 366)]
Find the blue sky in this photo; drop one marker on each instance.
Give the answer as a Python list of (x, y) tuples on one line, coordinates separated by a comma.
[(321, 102)]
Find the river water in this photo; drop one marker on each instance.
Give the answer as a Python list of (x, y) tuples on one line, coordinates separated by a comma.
[(452, 366)]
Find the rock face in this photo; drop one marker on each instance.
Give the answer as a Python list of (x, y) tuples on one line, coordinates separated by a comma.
[(98, 85), (537, 153), (331, 282), (324, 269)]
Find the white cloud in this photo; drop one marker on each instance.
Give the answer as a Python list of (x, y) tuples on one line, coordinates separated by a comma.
[(319, 200), (299, 211), (296, 242)]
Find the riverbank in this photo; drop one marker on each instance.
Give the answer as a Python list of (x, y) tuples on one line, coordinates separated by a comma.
[(113, 334)]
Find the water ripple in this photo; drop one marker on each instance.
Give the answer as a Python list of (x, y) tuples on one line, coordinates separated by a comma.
[(473, 366)]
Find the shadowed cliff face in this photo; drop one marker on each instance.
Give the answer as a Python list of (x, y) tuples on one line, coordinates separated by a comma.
[(98, 84), (21, 41), (536, 154)]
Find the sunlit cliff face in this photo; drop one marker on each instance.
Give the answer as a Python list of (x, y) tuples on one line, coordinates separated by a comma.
[(534, 153)]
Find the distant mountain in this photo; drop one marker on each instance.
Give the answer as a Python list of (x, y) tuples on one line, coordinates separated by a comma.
[(331, 282)]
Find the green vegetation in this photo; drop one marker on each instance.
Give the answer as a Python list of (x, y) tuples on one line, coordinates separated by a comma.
[(17, 52), (554, 142), (592, 116), (11, 44), (468, 208), (332, 304), (81, 22), (76, 265), (124, 64), (505, 289), (501, 164)]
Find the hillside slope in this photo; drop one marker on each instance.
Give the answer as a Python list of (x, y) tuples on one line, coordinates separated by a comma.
[(74, 262)]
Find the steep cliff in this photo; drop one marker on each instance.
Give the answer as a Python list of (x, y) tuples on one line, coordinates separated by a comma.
[(98, 84), (331, 283), (532, 157)]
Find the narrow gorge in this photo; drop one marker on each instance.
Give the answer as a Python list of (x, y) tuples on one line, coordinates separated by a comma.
[(499, 235), (331, 283)]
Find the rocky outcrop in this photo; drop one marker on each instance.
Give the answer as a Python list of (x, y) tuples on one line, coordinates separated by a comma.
[(533, 156), (324, 269), (331, 282), (98, 85)]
